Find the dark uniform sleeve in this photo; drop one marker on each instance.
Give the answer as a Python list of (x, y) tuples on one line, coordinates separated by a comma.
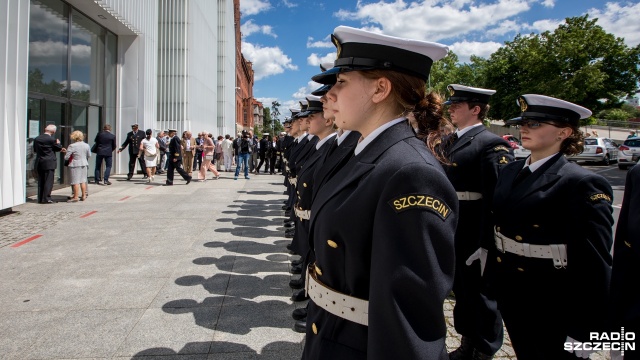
[(589, 256), (412, 264), (126, 142), (495, 157)]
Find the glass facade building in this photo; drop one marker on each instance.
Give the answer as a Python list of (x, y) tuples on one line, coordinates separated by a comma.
[(82, 64)]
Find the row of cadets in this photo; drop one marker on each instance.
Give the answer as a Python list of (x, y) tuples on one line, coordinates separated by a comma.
[(381, 226), (475, 156), (323, 130), (292, 133)]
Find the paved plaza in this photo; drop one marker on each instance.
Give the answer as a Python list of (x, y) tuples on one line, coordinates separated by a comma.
[(144, 271)]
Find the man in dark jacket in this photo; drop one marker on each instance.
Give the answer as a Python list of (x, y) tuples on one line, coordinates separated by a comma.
[(175, 159), (105, 142), (45, 146), (134, 138), (263, 146), (163, 149)]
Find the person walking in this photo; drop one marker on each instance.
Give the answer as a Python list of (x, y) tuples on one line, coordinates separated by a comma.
[(188, 150), (106, 143), (46, 146), (553, 237), (197, 157), (245, 147), (78, 152), (208, 148), (175, 159), (133, 139), (149, 148), (388, 216), (163, 149), (475, 156)]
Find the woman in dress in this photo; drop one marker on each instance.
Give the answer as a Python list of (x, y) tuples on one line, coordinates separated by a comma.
[(381, 229), (149, 148), (79, 165), (551, 266), (208, 151)]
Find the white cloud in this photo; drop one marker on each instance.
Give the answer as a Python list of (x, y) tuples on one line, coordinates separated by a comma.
[(620, 20), (541, 26), (316, 60), (250, 27), (505, 27), (76, 85), (253, 7), (267, 61), (548, 3), (289, 4), (303, 92), (324, 43), (464, 49), (55, 52), (433, 19)]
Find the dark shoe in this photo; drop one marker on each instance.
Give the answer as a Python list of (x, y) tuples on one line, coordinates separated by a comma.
[(49, 202), (464, 352), (97, 182), (289, 246), (286, 220), (285, 207), (107, 182), (189, 180), (246, 177), (299, 314), (296, 262), (299, 296), (285, 193), (289, 235), (145, 177), (168, 184), (287, 213), (296, 269), (300, 326), (297, 284), (129, 176), (289, 224)]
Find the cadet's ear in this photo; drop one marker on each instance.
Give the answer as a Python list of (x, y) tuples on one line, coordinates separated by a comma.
[(564, 133), (382, 89)]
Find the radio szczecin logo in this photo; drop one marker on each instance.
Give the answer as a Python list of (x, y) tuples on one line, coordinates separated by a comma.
[(616, 341)]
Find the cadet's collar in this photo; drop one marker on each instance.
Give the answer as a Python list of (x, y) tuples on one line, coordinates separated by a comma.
[(374, 134)]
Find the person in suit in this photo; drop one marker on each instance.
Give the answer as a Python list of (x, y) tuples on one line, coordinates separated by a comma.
[(106, 144), (475, 156), (133, 140), (273, 153), (80, 152), (46, 146), (175, 159), (551, 265), (263, 147), (162, 143), (197, 157), (625, 301), (188, 150), (382, 228)]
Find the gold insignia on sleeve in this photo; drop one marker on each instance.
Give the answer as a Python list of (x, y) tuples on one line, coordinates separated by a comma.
[(501, 148), (600, 196), (523, 104), (423, 202), (503, 160)]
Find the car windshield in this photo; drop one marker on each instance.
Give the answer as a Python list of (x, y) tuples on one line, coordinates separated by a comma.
[(591, 141), (632, 143)]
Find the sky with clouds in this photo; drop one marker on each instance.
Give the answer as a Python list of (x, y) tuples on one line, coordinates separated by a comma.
[(287, 40)]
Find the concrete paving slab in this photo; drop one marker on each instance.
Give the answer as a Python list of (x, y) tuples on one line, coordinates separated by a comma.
[(19, 331)]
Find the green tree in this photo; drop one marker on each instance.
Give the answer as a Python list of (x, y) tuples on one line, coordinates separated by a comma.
[(36, 84), (578, 62), (275, 114)]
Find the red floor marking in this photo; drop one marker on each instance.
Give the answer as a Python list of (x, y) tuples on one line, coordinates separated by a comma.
[(149, 187), (25, 241), (124, 198), (88, 214)]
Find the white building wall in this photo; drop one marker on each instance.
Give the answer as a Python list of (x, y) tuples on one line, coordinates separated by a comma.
[(14, 57), (226, 69)]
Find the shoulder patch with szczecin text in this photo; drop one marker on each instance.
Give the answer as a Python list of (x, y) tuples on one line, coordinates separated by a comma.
[(598, 197), (501, 148), (421, 201)]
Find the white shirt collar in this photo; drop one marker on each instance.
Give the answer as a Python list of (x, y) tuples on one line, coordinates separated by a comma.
[(321, 142), (310, 137), (299, 138), (374, 134), (465, 130), (343, 136), (536, 165)]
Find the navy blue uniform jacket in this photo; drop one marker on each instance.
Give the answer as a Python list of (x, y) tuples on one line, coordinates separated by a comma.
[(106, 143), (382, 230)]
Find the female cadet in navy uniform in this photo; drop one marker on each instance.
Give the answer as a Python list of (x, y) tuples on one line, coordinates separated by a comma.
[(551, 267), (382, 227)]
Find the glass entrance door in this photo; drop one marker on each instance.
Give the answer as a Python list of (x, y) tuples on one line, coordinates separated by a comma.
[(54, 113), (34, 117)]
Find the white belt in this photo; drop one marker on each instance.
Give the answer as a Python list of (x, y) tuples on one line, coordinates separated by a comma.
[(303, 214), (293, 181), (557, 252), (341, 305), (466, 195)]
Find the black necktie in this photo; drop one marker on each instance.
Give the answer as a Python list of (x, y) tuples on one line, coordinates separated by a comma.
[(523, 174)]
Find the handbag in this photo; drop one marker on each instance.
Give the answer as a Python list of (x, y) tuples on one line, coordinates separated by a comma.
[(68, 161), (94, 148)]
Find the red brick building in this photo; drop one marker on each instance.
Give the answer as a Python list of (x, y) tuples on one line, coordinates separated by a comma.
[(248, 110)]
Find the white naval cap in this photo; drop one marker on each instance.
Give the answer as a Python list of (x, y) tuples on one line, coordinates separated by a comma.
[(541, 107), (364, 50), (461, 93)]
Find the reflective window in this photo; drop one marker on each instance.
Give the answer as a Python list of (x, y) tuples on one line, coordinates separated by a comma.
[(48, 39), (87, 59)]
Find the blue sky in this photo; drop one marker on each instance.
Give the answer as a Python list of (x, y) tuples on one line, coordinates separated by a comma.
[(287, 39)]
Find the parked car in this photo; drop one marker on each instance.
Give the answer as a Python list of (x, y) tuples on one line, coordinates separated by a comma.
[(599, 149), (518, 151), (628, 153)]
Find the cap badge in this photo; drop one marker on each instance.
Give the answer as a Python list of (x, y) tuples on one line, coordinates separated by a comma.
[(336, 42), (451, 91), (523, 104)]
